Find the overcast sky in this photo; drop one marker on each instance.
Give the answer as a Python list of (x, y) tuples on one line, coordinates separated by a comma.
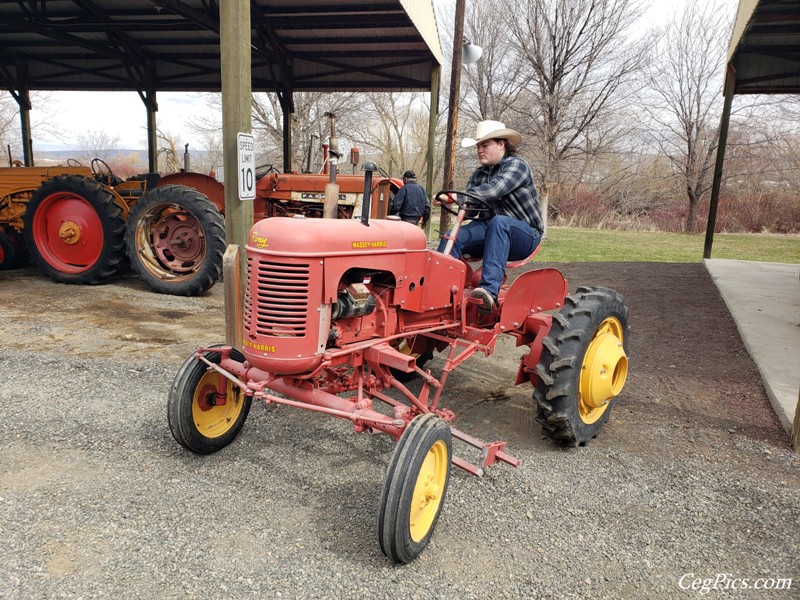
[(122, 114)]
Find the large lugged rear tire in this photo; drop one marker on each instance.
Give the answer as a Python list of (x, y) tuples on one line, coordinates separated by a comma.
[(74, 230), (176, 238), (583, 366), (196, 420), (415, 488)]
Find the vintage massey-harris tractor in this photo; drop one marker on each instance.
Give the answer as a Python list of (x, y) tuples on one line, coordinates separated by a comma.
[(338, 315)]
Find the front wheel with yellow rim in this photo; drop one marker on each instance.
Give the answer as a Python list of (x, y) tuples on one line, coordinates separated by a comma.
[(205, 410), (415, 488), (583, 366)]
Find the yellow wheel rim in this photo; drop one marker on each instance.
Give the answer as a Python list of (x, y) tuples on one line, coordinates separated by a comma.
[(428, 491), (604, 370), (211, 419)]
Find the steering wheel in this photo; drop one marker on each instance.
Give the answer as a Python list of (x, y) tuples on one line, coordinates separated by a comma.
[(474, 204), (71, 162), (103, 172), (264, 170)]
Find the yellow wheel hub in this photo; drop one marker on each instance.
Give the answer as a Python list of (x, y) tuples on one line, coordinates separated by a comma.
[(604, 370), (428, 491), (70, 232), (211, 417)]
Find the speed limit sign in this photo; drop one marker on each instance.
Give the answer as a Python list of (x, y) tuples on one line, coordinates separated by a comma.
[(246, 172)]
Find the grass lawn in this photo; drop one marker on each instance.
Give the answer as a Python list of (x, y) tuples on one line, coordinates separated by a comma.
[(567, 244)]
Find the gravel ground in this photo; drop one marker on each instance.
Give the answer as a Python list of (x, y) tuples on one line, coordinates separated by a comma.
[(98, 501)]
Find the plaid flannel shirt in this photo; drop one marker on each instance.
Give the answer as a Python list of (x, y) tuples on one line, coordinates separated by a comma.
[(508, 186)]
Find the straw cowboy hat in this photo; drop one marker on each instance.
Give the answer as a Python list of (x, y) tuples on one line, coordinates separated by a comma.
[(490, 130)]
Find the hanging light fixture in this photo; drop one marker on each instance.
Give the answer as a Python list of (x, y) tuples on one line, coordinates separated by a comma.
[(471, 53)]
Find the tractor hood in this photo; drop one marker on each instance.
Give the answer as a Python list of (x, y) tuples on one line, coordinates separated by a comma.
[(299, 236)]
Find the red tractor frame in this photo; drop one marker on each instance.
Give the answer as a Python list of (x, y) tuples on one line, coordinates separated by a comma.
[(338, 313)]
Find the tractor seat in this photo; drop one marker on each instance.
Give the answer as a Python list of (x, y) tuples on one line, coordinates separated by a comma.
[(512, 264)]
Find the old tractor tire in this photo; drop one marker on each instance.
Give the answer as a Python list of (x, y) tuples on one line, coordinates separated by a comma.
[(74, 230), (583, 366), (176, 238), (197, 423), (12, 249), (415, 488)]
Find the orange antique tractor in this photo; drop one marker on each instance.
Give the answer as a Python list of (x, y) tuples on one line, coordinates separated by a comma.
[(78, 224), (339, 313)]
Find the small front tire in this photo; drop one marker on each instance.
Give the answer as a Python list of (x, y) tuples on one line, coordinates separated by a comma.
[(415, 488), (196, 420)]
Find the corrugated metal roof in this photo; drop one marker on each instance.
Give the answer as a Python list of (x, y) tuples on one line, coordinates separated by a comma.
[(173, 45), (765, 47)]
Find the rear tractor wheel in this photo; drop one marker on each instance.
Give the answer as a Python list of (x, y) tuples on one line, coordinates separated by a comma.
[(74, 230), (584, 365), (176, 238), (197, 419), (415, 488)]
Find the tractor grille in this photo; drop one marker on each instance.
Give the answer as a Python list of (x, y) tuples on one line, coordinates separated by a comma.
[(276, 302)]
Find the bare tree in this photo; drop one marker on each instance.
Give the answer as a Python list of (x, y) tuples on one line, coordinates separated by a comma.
[(170, 156), (684, 97), (309, 118), (582, 58), (396, 132), (9, 124), (96, 143), (491, 86)]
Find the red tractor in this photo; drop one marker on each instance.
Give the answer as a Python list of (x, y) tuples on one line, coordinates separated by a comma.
[(336, 313)]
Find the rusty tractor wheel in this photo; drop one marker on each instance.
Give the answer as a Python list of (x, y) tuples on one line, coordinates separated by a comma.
[(176, 238), (12, 249), (584, 365), (414, 489), (74, 230), (197, 420)]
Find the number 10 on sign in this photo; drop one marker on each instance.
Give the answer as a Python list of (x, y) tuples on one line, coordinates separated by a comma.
[(245, 151)]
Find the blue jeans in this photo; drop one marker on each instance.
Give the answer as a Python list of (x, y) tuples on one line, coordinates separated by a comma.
[(498, 240)]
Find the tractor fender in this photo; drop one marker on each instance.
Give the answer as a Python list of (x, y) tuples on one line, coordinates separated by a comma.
[(206, 185), (532, 293)]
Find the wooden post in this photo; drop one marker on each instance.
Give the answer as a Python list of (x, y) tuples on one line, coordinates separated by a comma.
[(235, 39), (232, 277), (452, 110), (730, 85), (432, 121), (796, 425)]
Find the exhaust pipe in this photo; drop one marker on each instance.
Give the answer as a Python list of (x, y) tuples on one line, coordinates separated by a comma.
[(366, 202)]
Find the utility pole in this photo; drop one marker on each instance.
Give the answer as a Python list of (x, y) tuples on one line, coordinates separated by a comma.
[(452, 109)]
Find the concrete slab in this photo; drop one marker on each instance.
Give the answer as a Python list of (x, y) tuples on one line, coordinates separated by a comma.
[(764, 300)]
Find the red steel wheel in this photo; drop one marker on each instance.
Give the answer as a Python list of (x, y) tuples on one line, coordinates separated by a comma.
[(74, 230)]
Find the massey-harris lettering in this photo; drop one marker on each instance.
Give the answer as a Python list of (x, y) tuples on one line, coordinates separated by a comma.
[(260, 347), (370, 244)]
